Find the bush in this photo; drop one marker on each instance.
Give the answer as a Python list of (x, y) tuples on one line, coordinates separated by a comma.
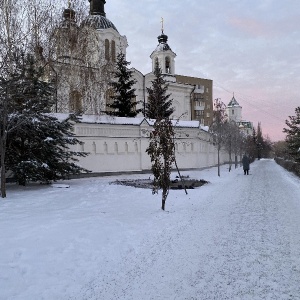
[(289, 165)]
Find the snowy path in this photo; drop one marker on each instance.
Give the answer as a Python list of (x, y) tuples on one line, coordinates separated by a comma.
[(243, 243), (235, 238)]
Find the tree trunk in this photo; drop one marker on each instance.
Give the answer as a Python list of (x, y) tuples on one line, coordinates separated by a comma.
[(3, 177), (235, 161), (230, 159), (163, 202), (182, 181), (218, 162)]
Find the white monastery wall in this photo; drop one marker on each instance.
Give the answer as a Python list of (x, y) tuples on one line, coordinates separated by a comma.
[(117, 147)]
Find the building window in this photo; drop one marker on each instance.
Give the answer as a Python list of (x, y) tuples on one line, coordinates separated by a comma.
[(133, 100), (75, 102), (199, 113), (109, 99), (233, 111), (208, 115), (198, 97), (94, 147), (168, 65), (113, 51), (107, 49)]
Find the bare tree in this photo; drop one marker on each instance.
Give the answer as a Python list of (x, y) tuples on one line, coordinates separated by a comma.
[(79, 66), (25, 27), (218, 128), (13, 41), (232, 142)]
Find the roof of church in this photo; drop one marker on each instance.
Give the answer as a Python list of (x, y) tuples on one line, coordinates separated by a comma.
[(233, 102), (163, 45), (99, 22)]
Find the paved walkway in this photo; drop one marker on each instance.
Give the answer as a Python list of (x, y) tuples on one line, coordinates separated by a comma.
[(241, 242)]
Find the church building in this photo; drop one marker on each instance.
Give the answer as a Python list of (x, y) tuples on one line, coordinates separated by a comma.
[(83, 71), (85, 58), (234, 113)]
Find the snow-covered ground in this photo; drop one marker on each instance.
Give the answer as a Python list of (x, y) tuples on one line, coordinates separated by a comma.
[(235, 238)]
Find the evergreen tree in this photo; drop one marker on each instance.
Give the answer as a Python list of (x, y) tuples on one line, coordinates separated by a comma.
[(161, 147), (124, 104), (38, 150), (162, 153), (293, 135), (259, 141), (159, 106)]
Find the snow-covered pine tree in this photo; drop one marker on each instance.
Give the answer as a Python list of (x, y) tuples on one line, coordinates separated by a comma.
[(161, 147), (38, 150), (162, 153), (293, 135), (124, 103), (159, 106)]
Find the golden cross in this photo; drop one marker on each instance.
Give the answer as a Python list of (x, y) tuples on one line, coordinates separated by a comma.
[(162, 24), (69, 3)]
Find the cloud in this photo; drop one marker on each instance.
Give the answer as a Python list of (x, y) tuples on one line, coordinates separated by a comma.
[(249, 26), (250, 48)]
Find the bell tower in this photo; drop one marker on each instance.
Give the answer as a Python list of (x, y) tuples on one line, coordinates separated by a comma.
[(97, 7), (234, 110), (163, 54)]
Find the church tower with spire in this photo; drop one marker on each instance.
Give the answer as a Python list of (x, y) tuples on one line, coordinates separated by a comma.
[(163, 55), (234, 110)]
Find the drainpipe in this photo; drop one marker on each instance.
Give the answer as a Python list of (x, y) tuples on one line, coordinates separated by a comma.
[(192, 101), (144, 94)]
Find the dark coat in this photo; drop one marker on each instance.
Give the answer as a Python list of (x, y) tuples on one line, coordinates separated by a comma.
[(246, 162)]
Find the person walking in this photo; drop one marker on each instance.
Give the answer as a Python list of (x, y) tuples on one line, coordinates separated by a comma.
[(246, 164)]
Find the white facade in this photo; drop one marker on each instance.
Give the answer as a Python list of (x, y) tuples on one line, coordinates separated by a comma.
[(119, 144), (234, 110), (180, 93), (234, 113)]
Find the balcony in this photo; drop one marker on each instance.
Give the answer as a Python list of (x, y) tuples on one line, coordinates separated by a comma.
[(199, 107)]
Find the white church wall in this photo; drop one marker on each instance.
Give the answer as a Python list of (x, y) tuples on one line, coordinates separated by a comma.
[(122, 148)]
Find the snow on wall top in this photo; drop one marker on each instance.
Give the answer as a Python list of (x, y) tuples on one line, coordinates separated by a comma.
[(105, 119)]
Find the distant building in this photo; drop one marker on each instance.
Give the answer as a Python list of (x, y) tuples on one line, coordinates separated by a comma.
[(192, 96), (234, 113)]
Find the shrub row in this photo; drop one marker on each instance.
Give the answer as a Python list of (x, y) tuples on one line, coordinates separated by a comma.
[(289, 165)]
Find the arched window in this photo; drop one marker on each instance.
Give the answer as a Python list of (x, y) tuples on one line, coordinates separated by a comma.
[(105, 147), (94, 147), (113, 51), (75, 102), (109, 99), (168, 65), (107, 49), (155, 63)]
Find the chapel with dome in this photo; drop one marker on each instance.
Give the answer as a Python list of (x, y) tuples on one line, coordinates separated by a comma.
[(83, 68), (86, 54)]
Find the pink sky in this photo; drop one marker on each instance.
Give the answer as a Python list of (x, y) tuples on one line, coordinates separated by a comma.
[(250, 49)]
